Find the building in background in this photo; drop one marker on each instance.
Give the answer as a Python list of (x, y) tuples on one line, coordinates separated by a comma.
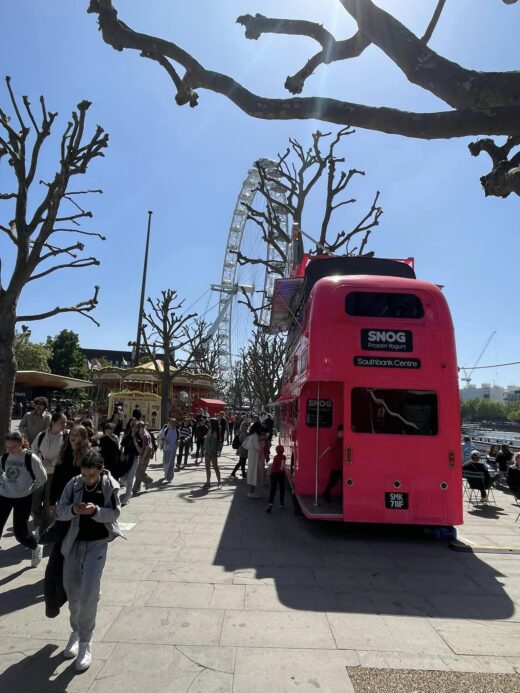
[(495, 393), (118, 358)]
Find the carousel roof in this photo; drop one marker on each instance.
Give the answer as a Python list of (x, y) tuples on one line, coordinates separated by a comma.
[(147, 372)]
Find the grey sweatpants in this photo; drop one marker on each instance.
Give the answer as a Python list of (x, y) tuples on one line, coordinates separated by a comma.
[(82, 571)]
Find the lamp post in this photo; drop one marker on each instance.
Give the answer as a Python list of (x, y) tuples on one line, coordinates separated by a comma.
[(143, 288)]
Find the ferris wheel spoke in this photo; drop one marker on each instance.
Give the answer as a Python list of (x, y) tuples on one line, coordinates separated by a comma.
[(257, 279)]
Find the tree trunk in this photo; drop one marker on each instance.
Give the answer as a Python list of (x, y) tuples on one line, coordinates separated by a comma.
[(7, 369), (165, 396)]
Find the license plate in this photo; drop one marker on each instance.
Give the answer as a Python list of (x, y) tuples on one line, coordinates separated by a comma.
[(396, 501)]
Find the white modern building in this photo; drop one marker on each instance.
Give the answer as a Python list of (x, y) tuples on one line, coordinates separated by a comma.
[(485, 391), (495, 393)]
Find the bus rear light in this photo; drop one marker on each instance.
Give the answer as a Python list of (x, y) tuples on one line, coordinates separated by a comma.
[(396, 484), (443, 485), (349, 455), (451, 459)]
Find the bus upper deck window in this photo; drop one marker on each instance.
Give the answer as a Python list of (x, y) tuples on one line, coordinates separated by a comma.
[(376, 304)]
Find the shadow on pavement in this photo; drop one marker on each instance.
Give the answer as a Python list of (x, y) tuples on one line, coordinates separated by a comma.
[(335, 567), (20, 597), (35, 673)]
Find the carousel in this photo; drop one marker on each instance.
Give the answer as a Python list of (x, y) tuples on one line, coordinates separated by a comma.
[(142, 385)]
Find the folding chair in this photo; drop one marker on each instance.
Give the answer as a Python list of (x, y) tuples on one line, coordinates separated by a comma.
[(476, 482)]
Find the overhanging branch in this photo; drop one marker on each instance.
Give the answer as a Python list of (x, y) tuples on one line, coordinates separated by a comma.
[(497, 94)]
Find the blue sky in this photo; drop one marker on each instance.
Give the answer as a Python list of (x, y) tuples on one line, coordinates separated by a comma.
[(188, 164)]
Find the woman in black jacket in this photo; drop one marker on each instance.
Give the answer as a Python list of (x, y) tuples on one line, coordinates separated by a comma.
[(109, 449), (76, 447)]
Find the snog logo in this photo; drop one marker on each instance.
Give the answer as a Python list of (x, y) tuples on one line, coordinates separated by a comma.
[(386, 340), (388, 336)]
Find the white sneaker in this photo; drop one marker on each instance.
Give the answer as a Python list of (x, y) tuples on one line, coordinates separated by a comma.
[(84, 656), (71, 648), (37, 554)]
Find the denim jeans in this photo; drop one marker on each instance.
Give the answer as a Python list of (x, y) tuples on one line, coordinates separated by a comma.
[(169, 463)]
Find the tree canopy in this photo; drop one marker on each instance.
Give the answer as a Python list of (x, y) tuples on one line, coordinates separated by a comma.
[(30, 356), (67, 358)]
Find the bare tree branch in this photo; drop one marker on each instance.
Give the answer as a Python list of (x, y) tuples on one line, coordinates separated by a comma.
[(84, 307), (484, 103), (433, 21), (504, 178), (75, 264)]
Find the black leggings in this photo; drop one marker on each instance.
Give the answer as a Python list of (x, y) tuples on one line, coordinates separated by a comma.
[(336, 476), (199, 449), (277, 479), (241, 464), (21, 508)]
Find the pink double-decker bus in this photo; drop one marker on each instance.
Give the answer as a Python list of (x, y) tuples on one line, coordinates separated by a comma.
[(369, 407)]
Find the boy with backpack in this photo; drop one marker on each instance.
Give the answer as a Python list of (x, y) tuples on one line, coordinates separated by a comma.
[(21, 473)]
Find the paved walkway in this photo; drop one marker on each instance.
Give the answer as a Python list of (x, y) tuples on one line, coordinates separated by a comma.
[(209, 593)]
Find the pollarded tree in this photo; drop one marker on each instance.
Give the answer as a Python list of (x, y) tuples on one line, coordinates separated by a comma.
[(299, 176), (478, 103), (43, 234), (261, 367), (178, 336)]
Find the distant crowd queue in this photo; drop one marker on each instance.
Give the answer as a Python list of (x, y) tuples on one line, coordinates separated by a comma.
[(73, 481)]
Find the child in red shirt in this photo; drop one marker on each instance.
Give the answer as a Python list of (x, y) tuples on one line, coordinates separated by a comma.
[(277, 478)]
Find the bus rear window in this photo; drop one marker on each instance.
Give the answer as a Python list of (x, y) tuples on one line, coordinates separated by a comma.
[(375, 304), (394, 412)]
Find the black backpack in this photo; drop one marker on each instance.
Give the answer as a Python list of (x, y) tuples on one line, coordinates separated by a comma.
[(28, 463), (236, 442)]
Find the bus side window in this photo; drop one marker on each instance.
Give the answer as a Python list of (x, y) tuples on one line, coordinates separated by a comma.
[(394, 412)]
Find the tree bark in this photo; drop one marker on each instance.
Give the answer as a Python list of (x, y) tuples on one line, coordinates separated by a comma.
[(165, 395), (7, 369)]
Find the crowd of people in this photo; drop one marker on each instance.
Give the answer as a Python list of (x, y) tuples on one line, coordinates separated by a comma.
[(73, 480), (498, 467)]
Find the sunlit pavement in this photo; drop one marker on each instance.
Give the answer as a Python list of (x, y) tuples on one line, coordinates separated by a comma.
[(210, 593)]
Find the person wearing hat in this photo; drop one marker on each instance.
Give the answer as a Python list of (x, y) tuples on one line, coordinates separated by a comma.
[(475, 464)]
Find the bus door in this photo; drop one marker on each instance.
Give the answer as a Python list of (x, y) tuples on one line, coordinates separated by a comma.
[(391, 454), (319, 453)]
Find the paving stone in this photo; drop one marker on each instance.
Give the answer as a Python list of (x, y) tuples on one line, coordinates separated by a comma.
[(276, 629), (479, 638), (166, 626), (129, 569), (146, 667), (172, 571), (228, 597), (32, 620), (189, 595), (288, 597), (287, 670), (397, 633), (118, 592)]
